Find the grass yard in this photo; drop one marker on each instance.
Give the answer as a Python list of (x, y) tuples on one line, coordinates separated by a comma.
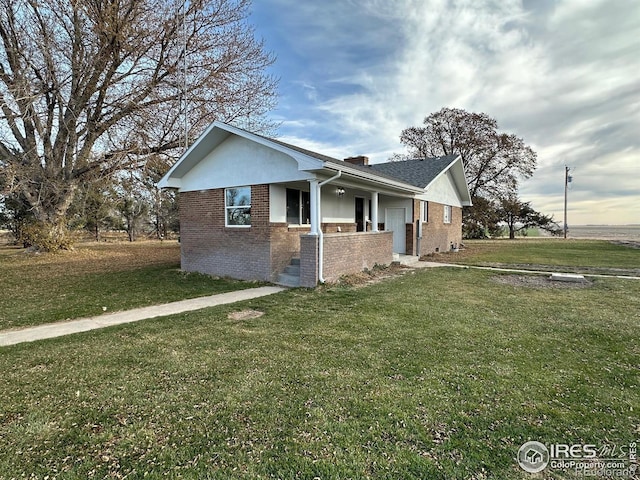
[(46, 288), (587, 256), (436, 374)]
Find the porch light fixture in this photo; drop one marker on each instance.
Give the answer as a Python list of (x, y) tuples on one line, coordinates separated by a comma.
[(340, 191)]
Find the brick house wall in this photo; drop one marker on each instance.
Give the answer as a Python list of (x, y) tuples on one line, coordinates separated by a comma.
[(309, 261), (284, 245), (208, 246), (347, 253), (438, 236), (262, 251)]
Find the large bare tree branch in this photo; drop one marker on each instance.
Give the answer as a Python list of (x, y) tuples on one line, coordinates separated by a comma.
[(97, 85), (494, 161)]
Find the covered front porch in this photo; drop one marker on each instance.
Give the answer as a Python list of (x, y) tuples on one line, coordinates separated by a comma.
[(346, 225)]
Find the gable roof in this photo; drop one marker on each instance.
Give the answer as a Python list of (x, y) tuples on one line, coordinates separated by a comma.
[(409, 176), (419, 172), (423, 172), (342, 164)]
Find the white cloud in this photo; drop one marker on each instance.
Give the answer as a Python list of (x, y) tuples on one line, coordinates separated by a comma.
[(562, 75)]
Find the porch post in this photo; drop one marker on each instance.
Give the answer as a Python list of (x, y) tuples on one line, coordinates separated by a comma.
[(374, 211), (314, 200)]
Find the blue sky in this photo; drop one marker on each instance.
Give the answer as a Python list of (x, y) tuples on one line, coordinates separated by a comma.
[(562, 74)]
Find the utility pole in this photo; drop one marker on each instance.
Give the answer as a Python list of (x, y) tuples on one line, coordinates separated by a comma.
[(567, 181)]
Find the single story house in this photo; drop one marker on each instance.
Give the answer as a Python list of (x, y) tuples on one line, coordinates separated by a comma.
[(256, 208)]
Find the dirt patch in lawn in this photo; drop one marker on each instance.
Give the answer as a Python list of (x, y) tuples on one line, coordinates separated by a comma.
[(245, 315), (375, 275), (538, 281), (627, 243), (633, 272)]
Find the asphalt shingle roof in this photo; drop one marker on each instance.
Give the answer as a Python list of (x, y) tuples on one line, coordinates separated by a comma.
[(418, 172)]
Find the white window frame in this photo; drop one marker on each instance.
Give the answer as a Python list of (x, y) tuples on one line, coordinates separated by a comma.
[(448, 213), (425, 211), (235, 207)]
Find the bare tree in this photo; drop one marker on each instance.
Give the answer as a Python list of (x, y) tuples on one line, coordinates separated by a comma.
[(494, 161), (97, 85), (520, 216)]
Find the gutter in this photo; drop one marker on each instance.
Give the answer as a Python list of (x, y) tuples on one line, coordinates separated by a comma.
[(320, 234), (374, 178)]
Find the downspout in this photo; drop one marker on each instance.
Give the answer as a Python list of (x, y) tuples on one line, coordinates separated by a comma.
[(320, 234)]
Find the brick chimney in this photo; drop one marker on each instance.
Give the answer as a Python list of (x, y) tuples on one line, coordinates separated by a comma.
[(359, 160)]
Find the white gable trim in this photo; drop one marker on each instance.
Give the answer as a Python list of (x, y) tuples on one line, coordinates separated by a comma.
[(456, 170), (213, 137), (217, 134)]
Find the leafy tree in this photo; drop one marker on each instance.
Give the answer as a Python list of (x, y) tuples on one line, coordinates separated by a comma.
[(494, 162), (15, 215), (92, 86), (482, 220), (519, 216)]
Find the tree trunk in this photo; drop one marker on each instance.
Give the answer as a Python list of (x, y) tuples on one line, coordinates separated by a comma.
[(49, 232)]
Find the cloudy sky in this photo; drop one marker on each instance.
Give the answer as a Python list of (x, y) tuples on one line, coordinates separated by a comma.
[(562, 74)]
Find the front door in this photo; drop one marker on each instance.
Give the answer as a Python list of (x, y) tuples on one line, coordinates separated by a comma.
[(359, 214), (394, 220)]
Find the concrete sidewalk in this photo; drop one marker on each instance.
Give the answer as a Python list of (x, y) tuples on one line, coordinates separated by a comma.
[(51, 330), (423, 264)]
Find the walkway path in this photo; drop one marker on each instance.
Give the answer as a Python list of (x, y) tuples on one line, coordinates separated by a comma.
[(51, 330), (512, 270)]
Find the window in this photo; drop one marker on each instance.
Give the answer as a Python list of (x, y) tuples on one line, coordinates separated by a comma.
[(237, 203), (425, 212), (298, 207), (447, 214)]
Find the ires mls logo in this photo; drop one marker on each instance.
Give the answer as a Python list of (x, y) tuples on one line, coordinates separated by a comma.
[(562, 450), (533, 457), (587, 460)]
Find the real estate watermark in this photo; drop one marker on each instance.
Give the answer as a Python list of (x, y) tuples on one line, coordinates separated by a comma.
[(585, 460)]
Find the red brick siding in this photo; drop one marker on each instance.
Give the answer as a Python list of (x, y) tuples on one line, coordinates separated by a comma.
[(208, 246), (439, 235), (262, 251), (344, 227), (346, 253), (285, 245), (308, 261)]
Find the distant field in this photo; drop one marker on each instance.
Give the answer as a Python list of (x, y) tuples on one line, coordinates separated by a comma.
[(605, 232), (588, 256)]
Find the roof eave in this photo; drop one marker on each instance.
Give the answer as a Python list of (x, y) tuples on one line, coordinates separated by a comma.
[(353, 172), (461, 183), (305, 162)]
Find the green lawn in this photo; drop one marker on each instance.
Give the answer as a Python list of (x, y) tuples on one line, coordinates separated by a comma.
[(47, 288), (439, 374), (585, 255)]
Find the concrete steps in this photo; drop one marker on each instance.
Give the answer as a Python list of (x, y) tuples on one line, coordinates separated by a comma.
[(407, 260), (291, 275)]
